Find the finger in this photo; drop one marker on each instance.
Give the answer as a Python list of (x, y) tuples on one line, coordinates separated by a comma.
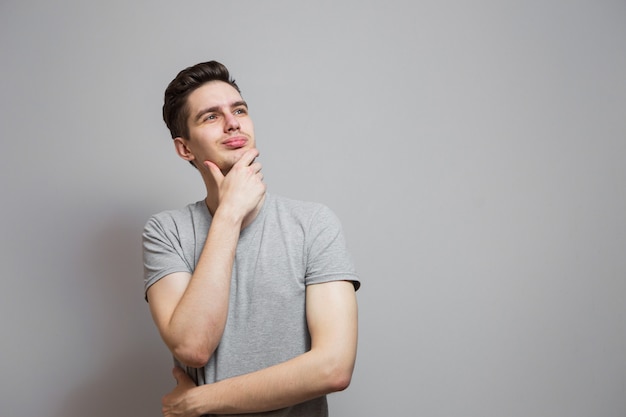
[(248, 157), (256, 167), (181, 377), (177, 372), (215, 172)]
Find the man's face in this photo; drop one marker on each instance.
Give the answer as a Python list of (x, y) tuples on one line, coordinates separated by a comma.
[(220, 128)]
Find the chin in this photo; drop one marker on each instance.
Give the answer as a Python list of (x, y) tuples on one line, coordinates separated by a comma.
[(238, 153)]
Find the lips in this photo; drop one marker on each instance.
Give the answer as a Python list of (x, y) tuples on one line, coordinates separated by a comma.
[(235, 142)]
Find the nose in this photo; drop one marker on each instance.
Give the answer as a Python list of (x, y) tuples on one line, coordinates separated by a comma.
[(230, 122)]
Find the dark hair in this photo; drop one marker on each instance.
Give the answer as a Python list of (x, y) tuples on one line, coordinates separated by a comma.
[(175, 112)]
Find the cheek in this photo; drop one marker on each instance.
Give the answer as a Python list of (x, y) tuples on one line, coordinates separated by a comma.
[(248, 125)]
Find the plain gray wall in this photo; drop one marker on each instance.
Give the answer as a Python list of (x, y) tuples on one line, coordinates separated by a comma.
[(475, 152)]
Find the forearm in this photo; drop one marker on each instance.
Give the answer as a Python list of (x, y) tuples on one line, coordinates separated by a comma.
[(197, 323), (303, 378), (327, 367)]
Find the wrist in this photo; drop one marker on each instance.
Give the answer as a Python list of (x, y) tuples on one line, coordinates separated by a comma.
[(228, 215), (197, 402)]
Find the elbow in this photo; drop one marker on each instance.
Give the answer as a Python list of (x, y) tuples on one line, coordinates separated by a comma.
[(192, 357), (340, 381), (338, 376)]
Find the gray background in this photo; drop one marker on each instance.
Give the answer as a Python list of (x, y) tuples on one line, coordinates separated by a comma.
[(475, 152)]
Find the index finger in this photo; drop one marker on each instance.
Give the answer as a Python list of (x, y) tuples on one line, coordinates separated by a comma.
[(247, 158)]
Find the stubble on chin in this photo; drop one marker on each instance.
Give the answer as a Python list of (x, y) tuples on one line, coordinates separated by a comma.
[(235, 156), (229, 165)]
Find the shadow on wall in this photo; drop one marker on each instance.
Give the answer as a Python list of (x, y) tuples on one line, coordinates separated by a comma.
[(128, 369)]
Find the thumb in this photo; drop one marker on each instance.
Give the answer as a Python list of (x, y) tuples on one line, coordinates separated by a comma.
[(178, 374), (182, 379), (215, 172)]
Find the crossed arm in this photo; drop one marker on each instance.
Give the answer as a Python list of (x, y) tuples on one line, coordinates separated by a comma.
[(190, 311), (192, 327), (332, 319)]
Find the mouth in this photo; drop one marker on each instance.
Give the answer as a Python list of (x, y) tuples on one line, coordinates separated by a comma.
[(235, 142)]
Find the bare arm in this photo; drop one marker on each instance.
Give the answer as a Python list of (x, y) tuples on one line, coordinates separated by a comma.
[(332, 319), (190, 310)]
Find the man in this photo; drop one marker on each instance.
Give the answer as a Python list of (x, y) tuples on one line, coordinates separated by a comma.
[(254, 294)]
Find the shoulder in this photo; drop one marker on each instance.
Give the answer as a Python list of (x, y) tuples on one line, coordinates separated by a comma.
[(177, 218)]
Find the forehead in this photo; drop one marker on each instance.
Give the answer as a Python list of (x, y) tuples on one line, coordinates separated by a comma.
[(212, 94)]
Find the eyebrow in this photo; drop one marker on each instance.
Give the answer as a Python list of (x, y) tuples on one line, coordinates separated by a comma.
[(216, 108)]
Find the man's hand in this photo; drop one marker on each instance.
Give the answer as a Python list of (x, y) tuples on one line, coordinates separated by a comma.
[(242, 188), (175, 403)]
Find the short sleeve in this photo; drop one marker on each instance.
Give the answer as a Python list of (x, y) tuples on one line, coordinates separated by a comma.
[(162, 251), (327, 255)]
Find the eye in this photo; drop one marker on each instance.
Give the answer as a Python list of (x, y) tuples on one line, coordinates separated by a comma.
[(240, 111), (209, 117)]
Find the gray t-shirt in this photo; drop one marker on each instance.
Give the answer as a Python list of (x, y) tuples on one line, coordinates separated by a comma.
[(289, 245)]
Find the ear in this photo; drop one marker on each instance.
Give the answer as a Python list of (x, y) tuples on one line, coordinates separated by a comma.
[(182, 149)]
